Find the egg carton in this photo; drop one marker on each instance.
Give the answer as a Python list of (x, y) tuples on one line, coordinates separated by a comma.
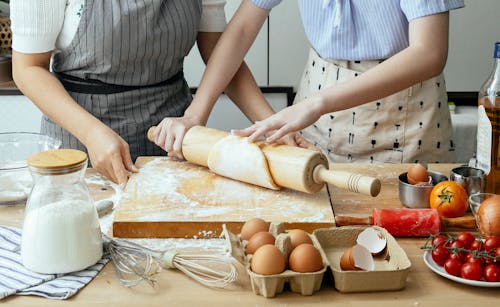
[(271, 285), (391, 266)]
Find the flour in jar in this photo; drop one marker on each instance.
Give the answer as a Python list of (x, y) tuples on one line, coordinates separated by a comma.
[(61, 237)]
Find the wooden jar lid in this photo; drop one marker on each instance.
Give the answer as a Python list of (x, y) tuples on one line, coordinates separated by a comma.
[(57, 159)]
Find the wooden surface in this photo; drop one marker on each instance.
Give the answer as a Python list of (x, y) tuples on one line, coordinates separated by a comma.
[(423, 288), (168, 198), (357, 205)]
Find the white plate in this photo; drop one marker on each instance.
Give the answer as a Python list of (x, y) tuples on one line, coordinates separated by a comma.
[(440, 270)]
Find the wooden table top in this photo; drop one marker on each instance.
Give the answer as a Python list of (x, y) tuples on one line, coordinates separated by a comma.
[(423, 288)]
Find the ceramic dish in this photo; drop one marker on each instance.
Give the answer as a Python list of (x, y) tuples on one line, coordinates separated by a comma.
[(440, 270)]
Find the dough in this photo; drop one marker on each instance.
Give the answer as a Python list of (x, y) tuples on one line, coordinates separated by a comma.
[(236, 158)]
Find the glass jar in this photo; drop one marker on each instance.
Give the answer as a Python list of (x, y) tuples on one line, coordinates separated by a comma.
[(61, 231)]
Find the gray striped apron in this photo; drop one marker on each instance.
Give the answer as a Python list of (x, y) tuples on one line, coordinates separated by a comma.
[(129, 56)]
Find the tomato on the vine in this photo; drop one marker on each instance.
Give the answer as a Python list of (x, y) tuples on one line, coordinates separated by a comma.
[(455, 247), (440, 255), (491, 242), (453, 266), (467, 238), (449, 198), (497, 253), (473, 259), (476, 245), (439, 240), (471, 270), (491, 273), (459, 256)]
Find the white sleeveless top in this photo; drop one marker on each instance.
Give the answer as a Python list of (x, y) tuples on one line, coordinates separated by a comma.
[(33, 34)]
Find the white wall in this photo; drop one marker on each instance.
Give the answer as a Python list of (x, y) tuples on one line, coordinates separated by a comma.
[(473, 31)]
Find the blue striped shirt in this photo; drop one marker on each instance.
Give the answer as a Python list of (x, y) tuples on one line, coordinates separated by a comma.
[(361, 29)]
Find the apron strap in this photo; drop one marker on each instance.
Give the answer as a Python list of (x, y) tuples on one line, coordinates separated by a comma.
[(92, 86)]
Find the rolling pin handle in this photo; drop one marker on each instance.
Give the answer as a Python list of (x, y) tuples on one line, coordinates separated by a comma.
[(346, 180), (350, 220), (459, 222), (151, 134)]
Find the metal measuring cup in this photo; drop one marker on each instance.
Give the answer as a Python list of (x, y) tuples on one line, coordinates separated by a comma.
[(470, 178)]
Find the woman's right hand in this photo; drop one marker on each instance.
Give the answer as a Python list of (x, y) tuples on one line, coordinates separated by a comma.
[(170, 132), (110, 155)]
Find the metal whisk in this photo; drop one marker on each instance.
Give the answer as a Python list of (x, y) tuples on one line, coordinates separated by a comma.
[(135, 263)]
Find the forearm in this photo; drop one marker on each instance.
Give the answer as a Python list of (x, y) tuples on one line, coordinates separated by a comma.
[(401, 71), (423, 59), (225, 62), (38, 84), (246, 94)]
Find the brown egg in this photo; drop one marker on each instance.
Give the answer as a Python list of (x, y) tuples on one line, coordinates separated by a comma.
[(257, 240), (417, 173), (305, 258), (299, 236), (267, 260), (253, 226)]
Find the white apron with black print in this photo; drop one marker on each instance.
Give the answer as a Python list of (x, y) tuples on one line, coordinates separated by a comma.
[(413, 125)]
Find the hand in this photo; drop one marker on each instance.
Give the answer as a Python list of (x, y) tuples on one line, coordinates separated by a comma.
[(170, 132), (110, 155), (296, 139), (288, 120)]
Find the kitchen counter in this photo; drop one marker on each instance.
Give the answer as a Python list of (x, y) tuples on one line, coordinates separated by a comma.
[(423, 288)]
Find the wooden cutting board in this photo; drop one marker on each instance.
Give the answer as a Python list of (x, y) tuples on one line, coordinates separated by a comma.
[(178, 199)]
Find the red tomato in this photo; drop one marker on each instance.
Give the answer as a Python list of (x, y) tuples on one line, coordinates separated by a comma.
[(459, 256), (488, 261), (472, 259), (491, 242), (476, 245), (491, 273), (449, 198), (455, 248), (467, 238), (471, 270), (439, 240), (453, 266), (440, 255), (497, 253)]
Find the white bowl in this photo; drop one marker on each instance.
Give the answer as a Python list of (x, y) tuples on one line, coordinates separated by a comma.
[(15, 148)]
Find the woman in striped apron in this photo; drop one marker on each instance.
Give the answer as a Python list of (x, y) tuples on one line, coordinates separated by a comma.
[(372, 89), (117, 70)]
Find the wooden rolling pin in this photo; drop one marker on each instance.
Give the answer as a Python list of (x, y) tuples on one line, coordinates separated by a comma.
[(291, 167)]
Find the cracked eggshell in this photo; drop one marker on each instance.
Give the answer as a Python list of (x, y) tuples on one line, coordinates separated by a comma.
[(373, 240), (357, 258)]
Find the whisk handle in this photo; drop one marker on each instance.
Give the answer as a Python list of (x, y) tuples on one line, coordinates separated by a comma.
[(167, 260)]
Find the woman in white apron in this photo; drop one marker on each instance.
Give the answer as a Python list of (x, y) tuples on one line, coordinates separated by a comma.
[(117, 69), (372, 89)]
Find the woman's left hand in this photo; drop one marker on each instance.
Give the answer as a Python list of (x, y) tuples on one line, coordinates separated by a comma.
[(288, 120)]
